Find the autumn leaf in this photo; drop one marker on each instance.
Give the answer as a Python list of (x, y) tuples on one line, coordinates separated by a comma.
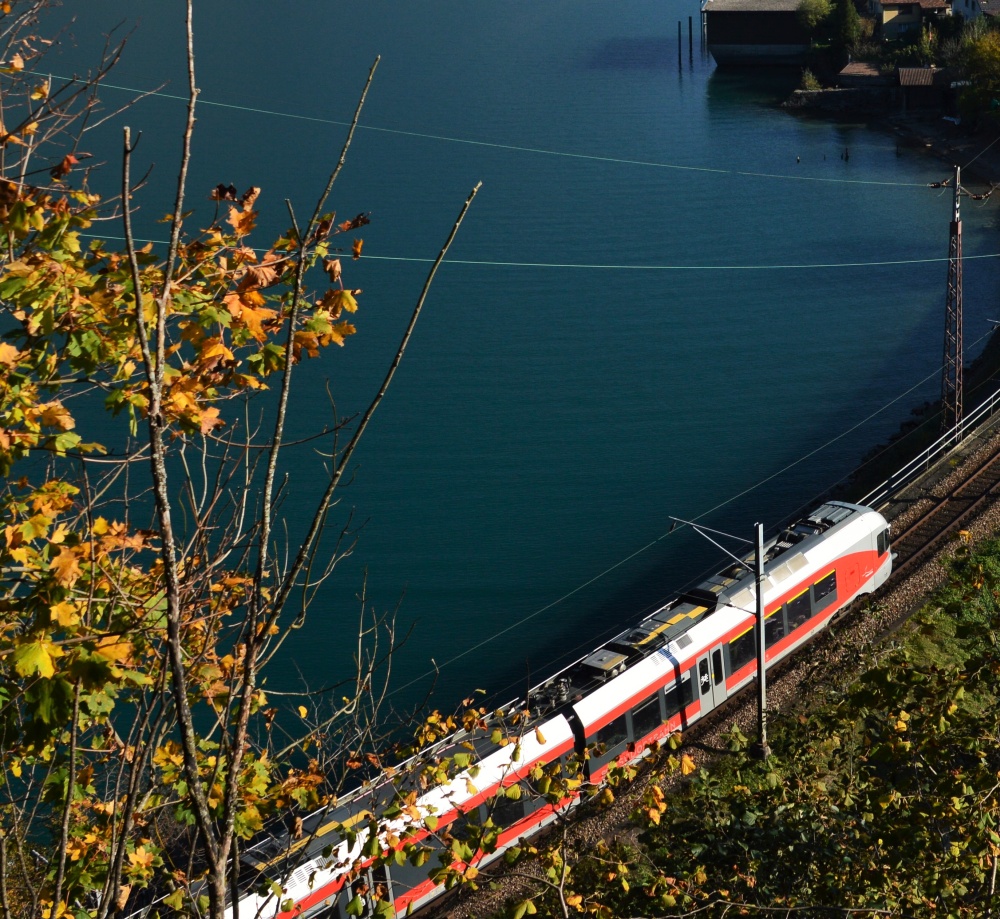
[(9, 355), (66, 566), (64, 167), (140, 858), (242, 221), (36, 658), (356, 248), (55, 415), (64, 614), (332, 267), (249, 197), (687, 765), (223, 192), (263, 275), (358, 221), (209, 420), (336, 300)]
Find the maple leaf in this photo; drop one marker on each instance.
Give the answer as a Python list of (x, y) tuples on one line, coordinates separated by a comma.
[(249, 197), (64, 614), (336, 300), (141, 858), (242, 221), (223, 193), (9, 355), (358, 221), (113, 648), (308, 341), (66, 566), (254, 321), (36, 658), (64, 167), (210, 420), (332, 267), (263, 275), (55, 415)]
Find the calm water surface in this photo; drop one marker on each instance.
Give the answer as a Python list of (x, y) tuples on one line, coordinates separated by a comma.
[(625, 346)]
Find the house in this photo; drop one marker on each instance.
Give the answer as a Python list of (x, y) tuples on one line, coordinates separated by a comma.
[(862, 75), (900, 18), (923, 88), (741, 32)]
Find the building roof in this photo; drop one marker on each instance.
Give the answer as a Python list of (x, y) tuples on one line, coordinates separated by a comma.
[(931, 5), (917, 76), (858, 69), (751, 6)]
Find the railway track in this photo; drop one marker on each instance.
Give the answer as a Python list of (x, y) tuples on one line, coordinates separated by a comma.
[(943, 510), (947, 514)]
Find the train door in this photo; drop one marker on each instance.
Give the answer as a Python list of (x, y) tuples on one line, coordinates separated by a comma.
[(711, 680)]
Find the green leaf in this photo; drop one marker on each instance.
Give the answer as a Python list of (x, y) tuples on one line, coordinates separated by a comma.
[(356, 907), (36, 659)]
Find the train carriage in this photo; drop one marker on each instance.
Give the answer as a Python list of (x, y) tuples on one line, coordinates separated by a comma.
[(654, 679)]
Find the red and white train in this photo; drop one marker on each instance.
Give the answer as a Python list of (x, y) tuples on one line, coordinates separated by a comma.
[(653, 680)]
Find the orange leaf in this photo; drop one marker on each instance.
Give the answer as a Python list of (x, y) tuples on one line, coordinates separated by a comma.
[(356, 248), (55, 415), (9, 355), (66, 566), (210, 419), (332, 267), (242, 221)]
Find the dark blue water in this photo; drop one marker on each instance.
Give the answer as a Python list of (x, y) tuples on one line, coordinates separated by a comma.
[(648, 329)]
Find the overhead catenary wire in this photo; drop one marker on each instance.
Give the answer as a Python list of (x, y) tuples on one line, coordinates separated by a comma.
[(497, 145), (597, 266), (649, 545)]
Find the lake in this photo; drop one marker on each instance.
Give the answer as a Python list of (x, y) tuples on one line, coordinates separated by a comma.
[(670, 298)]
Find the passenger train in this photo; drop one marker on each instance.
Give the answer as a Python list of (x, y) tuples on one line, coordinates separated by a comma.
[(657, 678)]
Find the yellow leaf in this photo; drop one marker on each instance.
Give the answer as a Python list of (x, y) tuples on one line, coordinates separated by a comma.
[(35, 658), (64, 614), (303, 711), (112, 648), (687, 765)]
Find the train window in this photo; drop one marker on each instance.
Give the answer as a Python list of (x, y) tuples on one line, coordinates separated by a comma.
[(718, 674), (704, 682), (799, 610), (406, 877), (883, 542), (774, 628), (646, 718), (679, 696), (506, 811), (613, 734), (824, 591), (743, 649)]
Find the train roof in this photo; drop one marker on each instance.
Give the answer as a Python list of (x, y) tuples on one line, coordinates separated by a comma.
[(791, 555)]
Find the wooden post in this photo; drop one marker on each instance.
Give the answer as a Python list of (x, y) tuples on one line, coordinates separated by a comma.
[(690, 39), (680, 52)]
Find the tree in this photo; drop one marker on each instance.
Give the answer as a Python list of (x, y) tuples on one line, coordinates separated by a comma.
[(981, 61), (146, 584), (847, 23), (812, 13)]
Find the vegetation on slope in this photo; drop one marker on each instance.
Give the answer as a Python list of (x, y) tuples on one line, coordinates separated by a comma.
[(880, 796)]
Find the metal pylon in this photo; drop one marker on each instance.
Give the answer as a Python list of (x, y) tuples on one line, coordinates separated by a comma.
[(951, 372)]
